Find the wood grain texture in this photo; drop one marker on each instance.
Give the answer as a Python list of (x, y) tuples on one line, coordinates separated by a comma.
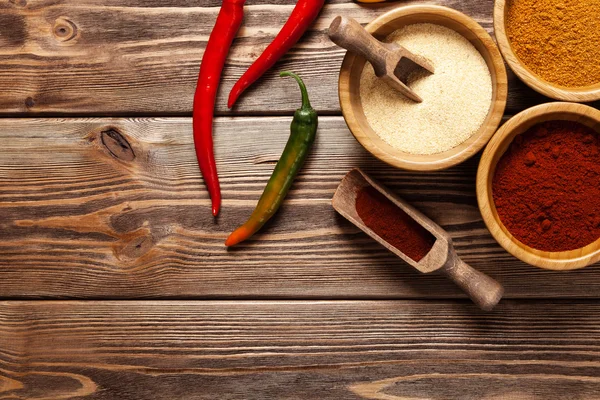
[(124, 57), (116, 208), (298, 350)]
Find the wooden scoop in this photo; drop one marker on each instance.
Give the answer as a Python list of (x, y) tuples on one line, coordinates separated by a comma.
[(391, 62), (483, 290)]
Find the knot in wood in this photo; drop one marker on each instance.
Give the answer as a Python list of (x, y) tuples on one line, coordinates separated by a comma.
[(117, 145), (29, 102), (137, 247), (64, 29)]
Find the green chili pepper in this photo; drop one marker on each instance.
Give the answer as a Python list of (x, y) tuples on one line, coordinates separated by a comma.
[(303, 131)]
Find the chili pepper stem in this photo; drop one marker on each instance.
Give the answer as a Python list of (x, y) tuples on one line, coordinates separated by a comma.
[(305, 100)]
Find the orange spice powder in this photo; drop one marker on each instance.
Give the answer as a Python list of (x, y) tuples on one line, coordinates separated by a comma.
[(559, 40)]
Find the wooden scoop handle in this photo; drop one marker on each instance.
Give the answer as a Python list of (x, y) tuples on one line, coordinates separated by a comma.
[(483, 290), (349, 34)]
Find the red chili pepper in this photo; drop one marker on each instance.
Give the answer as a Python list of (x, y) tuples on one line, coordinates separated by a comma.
[(300, 19), (228, 22)]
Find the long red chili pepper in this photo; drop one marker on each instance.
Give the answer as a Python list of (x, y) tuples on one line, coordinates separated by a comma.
[(300, 19), (228, 22)]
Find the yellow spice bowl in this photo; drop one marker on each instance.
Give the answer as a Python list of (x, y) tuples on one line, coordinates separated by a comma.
[(582, 94), (563, 260), (349, 88)]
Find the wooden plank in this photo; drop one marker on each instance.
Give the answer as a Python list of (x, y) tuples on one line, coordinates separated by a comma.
[(81, 57), (75, 221), (299, 350)]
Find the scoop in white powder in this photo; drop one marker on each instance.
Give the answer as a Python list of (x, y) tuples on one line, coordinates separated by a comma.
[(456, 98)]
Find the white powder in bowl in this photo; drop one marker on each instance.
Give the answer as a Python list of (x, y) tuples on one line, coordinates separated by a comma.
[(456, 98)]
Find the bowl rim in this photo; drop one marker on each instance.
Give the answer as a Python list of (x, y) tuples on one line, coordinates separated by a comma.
[(558, 261), (582, 94), (479, 139)]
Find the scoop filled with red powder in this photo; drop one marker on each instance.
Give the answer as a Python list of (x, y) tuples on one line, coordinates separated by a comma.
[(546, 187), (392, 224)]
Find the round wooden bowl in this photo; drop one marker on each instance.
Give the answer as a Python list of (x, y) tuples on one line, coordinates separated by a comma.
[(349, 90), (564, 260), (582, 94)]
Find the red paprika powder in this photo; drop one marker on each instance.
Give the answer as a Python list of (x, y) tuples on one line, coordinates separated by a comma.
[(546, 187), (392, 224)]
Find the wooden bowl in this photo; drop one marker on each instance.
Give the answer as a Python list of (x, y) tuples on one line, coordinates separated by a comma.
[(564, 260), (349, 89), (586, 93)]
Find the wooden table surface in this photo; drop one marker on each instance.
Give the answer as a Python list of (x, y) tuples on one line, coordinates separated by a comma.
[(114, 281)]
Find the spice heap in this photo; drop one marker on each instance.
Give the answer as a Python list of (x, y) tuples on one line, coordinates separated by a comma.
[(456, 98), (546, 187), (559, 40), (392, 224)]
